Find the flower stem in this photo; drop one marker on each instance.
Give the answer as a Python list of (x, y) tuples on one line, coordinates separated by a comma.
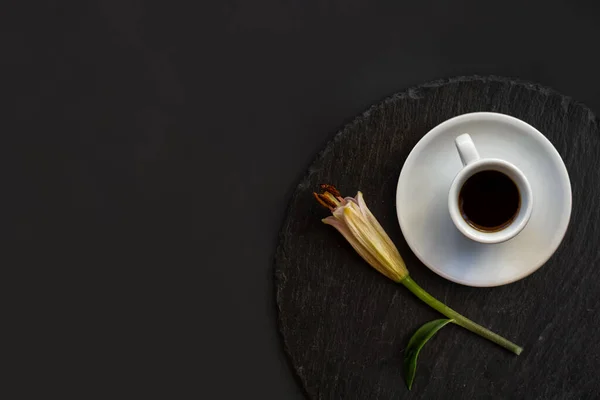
[(458, 318)]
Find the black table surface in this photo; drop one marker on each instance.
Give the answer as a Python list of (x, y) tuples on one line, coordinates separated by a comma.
[(150, 151)]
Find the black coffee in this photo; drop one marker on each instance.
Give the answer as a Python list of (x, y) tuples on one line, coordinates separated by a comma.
[(489, 201)]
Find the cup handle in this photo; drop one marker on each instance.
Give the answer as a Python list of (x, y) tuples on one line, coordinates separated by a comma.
[(466, 149)]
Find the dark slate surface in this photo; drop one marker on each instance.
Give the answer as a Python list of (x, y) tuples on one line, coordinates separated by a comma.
[(344, 326)]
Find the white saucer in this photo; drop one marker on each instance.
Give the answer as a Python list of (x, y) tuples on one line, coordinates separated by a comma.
[(422, 200)]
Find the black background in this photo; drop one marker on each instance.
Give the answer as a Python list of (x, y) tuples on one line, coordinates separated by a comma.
[(150, 151)]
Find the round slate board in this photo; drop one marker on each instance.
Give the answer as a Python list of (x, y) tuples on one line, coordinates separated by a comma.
[(345, 326)]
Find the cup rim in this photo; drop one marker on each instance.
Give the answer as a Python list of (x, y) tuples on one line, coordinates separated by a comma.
[(520, 221)]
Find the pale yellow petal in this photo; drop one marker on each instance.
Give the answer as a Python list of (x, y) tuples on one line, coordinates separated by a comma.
[(373, 221), (368, 236), (360, 249)]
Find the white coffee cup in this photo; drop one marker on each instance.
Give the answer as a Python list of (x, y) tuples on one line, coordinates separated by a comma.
[(473, 164)]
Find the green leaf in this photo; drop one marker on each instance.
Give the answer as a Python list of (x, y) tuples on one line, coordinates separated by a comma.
[(416, 343)]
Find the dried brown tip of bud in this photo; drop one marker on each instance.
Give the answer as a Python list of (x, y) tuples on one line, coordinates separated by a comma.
[(331, 189), (324, 201)]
